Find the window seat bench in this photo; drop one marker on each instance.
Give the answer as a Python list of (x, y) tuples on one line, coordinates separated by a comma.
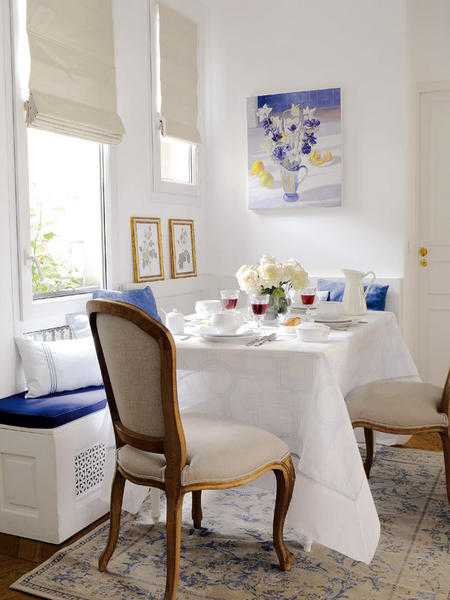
[(57, 456)]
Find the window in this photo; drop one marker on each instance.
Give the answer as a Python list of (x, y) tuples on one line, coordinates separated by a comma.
[(66, 214), (175, 102), (178, 161)]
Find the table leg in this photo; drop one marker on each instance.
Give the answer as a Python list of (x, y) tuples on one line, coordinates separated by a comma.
[(155, 504)]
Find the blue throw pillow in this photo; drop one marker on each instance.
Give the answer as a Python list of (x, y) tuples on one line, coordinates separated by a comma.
[(143, 298), (376, 298)]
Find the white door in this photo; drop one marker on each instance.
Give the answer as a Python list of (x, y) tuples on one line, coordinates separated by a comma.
[(433, 252)]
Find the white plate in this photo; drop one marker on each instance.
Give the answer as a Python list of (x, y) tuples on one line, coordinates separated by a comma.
[(314, 306), (337, 325), (227, 339), (336, 321), (212, 332)]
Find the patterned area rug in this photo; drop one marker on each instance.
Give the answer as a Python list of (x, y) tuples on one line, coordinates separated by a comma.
[(233, 557)]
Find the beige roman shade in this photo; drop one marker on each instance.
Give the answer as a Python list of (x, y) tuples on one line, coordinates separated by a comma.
[(72, 86), (178, 75)]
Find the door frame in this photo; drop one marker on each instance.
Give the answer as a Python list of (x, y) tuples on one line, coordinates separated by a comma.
[(412, 271)]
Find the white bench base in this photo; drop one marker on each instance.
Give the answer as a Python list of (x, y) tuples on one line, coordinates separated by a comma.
[(55, 482)]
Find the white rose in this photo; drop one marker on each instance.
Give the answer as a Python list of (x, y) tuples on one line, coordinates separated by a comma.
[(242, 270), (271, 274), (300, 278), (289, 270), (248, 279)]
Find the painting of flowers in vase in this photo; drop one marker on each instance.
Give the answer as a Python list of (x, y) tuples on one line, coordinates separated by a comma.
[(295, 149)]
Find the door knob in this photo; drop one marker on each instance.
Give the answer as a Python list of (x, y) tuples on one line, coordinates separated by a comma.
[(423, 256)]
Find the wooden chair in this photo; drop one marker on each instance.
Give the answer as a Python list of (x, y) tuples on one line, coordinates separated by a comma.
[(403, 407), (156, 448)]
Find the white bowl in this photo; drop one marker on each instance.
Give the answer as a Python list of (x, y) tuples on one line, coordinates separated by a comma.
[(330, 310), (226, 322), (205, 308), (312, 332)]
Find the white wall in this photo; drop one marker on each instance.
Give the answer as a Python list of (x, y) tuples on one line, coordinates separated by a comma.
[(261, 46), (430, 39)]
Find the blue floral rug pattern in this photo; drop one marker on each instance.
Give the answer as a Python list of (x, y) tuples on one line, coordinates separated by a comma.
[(232, 557)]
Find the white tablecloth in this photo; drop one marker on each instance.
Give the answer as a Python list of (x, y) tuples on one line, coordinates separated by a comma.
[(296, 390)]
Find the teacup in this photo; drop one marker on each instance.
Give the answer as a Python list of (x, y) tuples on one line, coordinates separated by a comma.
[(313, 332), (225, 322), (205, 308), (330, 310)]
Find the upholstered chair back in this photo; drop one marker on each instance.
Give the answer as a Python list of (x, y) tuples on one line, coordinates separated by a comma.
[(138, 364), (133, 360)]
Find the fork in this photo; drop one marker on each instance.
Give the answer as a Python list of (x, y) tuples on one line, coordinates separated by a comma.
[(264, 339), (256, 340)]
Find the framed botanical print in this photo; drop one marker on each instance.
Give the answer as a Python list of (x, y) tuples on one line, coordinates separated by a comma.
[(146, 243), (182, 248)]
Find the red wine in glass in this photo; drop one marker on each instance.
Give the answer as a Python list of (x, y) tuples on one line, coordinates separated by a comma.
[(260, 309), (229, 299), (260, 305), (308, 298), (229, 303)]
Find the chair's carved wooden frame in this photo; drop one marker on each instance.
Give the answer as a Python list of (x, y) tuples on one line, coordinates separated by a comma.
[(443, 431), (173, 446)]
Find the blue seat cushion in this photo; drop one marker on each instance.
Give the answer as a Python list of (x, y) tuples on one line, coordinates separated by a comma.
[(53, 410), (376, 297), (143, 298)]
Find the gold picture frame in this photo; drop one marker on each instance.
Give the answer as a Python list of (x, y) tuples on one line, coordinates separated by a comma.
[(183, 257), (147, 249)]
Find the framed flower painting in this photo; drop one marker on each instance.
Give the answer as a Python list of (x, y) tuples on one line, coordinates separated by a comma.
[(295, 149), (146, 243), (182, 248)]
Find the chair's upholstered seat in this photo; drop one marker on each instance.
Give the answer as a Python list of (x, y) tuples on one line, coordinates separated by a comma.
[(397, 404), (217, 451)]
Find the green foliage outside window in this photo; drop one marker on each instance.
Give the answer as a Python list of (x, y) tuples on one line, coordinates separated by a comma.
[(49, 274)]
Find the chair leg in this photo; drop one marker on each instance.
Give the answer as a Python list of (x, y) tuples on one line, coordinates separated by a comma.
[(197, 514), (368, 435), (114, 520), (285, 486), (446, 448), (173, 529)]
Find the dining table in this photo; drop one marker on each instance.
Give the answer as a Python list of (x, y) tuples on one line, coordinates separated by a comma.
[(297, 391)]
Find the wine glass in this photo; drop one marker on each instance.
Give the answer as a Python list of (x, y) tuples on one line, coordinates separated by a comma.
[(229, 299), (308, 296), (260, 305)]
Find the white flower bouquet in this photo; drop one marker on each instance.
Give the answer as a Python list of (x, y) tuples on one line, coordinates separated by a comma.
[(273, 278)]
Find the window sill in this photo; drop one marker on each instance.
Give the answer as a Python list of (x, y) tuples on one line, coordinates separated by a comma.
[(51, 312), (187, 190)]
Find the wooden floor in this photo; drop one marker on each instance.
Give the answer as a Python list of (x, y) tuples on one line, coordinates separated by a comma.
[(18, 555)]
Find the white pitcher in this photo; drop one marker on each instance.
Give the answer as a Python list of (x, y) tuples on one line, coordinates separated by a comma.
[(354, 300)]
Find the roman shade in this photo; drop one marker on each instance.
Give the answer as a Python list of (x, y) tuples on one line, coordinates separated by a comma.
[(72, 84), (178, 75)]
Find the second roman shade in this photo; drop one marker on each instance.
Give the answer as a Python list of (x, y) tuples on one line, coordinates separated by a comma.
[(178, 75)]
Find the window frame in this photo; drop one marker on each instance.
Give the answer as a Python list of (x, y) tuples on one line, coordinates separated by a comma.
[(49, 309), (190, 191)]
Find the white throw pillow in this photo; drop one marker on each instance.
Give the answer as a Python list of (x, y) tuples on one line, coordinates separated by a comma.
[(79, 325), (58, 366)]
